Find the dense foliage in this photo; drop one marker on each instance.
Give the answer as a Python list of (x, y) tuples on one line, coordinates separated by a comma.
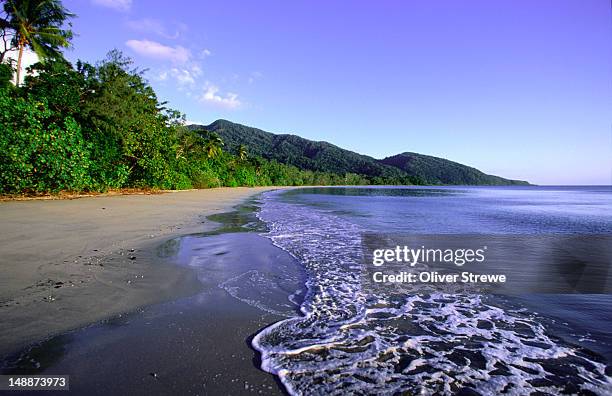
[(407, 168), (94, 127), (38, 150), (434, 170)]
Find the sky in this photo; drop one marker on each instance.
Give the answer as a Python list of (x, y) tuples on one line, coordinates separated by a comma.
[(521, 89)]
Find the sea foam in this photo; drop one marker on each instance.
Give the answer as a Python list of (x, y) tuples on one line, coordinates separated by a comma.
[(350, 340)]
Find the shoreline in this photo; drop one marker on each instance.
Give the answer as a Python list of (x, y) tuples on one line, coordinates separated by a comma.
[(247, 284), (71, 263)]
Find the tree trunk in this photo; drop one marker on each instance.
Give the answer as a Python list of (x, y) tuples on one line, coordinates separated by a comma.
[(21, 46)]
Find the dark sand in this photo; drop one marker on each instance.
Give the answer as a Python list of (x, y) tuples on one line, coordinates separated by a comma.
[(68, 263), (194, 345)]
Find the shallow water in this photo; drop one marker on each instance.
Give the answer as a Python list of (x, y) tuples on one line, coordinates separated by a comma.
[(349, 339)]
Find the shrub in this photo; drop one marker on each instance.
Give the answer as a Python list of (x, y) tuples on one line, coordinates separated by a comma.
[(37, 154), (204, 178)]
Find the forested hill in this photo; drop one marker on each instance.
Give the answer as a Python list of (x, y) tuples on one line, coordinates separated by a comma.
[(437, 170), (300, 152), (406, 168)]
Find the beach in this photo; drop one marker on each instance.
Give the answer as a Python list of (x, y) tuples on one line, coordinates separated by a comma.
[(69, 263), (266, 296), (192, 345)]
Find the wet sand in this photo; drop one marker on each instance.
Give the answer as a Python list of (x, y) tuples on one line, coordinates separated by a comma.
[(194, 345), (68, 263)]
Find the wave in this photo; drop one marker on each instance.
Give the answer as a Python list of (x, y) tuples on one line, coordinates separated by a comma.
[(349, 340)]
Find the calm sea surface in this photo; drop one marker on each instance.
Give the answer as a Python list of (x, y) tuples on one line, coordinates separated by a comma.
[(349, 339)]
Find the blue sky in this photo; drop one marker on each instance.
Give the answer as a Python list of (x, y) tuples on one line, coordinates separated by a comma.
[(522, 89)]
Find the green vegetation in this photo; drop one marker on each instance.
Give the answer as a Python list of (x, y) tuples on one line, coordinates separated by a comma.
[(35, 24), (406, 168), (94, 127), (317, 157), (434, 170)]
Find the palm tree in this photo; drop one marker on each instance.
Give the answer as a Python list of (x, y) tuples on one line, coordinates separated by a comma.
[(37, 24), (213, 145), (242, 152)]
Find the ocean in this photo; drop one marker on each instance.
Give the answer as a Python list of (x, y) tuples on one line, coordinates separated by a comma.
[(351, 339), (284, 307)]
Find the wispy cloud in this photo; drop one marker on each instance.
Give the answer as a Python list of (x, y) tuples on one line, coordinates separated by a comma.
[(155, 26), (183, 76), (185, 70), (119, 5), (212, 96), (153, 49), (188, 79)]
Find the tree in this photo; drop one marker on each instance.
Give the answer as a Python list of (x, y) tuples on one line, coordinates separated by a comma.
[(59, 84), (214, 145), (38, 25), (5, 35), (132, 132), (6, 75), (242, 152), (40, 151)]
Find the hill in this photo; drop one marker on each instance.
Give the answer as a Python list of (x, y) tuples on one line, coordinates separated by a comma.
[(435, 170), (297, 151), (405, 168)]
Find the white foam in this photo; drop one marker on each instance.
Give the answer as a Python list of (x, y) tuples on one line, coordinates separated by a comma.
[(349, 340)]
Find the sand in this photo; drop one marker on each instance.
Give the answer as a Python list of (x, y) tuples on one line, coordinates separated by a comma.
[(68, 263), (188, 346)]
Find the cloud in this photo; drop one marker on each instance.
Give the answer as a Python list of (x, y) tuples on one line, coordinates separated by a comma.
[(148, 25), (194, 122), (183, 76), (157, 50), (186, 76), (211, 96), (186, 71), (119, 5)]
